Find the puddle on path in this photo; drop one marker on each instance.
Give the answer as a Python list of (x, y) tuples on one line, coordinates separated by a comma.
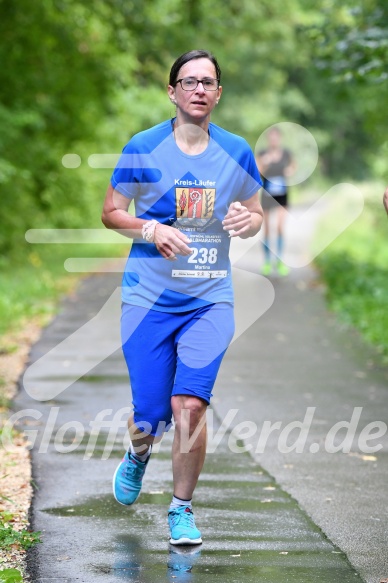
[(253, 532)]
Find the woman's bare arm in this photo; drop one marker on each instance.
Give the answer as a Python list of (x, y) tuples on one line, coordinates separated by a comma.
[(168, 240)]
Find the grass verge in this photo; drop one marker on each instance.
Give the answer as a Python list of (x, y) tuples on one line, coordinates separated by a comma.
[(355, 268), (9, 537), (11, 576), (31, 286)]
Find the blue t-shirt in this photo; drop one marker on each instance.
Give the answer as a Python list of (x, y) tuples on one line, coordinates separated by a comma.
[(192, 194)]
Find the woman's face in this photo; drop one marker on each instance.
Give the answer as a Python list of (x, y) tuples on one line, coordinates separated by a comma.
[(198, 103)]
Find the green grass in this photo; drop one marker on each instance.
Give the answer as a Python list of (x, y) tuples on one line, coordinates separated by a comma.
[(23, 539), (31, 286), (355, 269), (9, 537), (11, 576)]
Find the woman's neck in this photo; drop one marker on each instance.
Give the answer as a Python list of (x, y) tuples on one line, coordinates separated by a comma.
[(191, 138)]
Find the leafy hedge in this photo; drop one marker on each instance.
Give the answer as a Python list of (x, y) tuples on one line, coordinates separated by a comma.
[(359, 293)]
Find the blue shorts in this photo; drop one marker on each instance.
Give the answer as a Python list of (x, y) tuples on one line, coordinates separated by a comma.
[(172, 354)]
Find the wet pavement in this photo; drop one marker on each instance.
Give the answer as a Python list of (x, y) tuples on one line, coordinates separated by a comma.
[(252, 529), (265, 516)]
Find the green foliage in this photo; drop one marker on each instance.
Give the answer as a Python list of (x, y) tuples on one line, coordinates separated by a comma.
[(349, 46), (352, 40), (11, 576), (359, 293), (23, 539), (81, 77), (53, 87), (33, 287), (354, 268), (4, 403)]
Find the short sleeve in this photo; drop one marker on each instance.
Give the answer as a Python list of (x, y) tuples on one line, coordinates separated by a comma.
[(135, 170), (127, 175), (252, 179)]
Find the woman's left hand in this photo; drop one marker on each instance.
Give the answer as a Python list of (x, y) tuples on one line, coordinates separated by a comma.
[(238, 219)]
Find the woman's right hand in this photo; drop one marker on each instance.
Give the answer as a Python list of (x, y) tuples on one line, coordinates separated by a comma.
[(171, 242)]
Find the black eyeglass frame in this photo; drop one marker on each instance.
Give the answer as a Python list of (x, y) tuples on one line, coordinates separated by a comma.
[(198, 82)]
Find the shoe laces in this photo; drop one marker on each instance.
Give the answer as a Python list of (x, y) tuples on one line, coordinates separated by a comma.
[(134, 468), (186, 516)]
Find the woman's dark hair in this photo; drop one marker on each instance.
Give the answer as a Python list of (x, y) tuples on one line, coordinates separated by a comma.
[(186, 57)]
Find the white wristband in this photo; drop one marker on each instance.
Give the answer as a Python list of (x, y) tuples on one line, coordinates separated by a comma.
[(148, 231)]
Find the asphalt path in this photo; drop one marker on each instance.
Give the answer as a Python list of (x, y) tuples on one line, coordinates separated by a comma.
[(267, 514)]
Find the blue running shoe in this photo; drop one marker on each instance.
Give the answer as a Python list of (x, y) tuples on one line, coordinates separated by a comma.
[(127, 479), (182, 526)]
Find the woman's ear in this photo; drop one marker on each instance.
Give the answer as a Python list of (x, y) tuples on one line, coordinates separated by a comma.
[(171, 94)]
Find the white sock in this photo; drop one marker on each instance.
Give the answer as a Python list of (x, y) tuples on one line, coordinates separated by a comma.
[(177, 502), (142, 457)]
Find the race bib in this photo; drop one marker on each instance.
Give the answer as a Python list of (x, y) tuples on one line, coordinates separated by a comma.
[(210, 257)]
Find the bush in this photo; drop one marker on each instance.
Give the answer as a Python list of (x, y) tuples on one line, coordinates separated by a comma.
[(354, 268), (359, 293)]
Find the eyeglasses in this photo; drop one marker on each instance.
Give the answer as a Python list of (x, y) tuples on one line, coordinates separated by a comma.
[(191, 83)]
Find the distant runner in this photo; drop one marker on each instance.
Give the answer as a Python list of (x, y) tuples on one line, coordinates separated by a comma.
[(275, 164), (194, 186)]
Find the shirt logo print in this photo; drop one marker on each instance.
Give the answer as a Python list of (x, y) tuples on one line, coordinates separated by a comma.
[(195, 203)]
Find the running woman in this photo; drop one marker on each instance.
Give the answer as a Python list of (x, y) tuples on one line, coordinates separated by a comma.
[(275, 164), (194, 186)]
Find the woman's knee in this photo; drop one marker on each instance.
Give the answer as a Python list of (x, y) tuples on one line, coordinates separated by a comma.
[(188, 410)]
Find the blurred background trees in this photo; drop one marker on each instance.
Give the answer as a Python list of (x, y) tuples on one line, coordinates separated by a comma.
[(83, 77)]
